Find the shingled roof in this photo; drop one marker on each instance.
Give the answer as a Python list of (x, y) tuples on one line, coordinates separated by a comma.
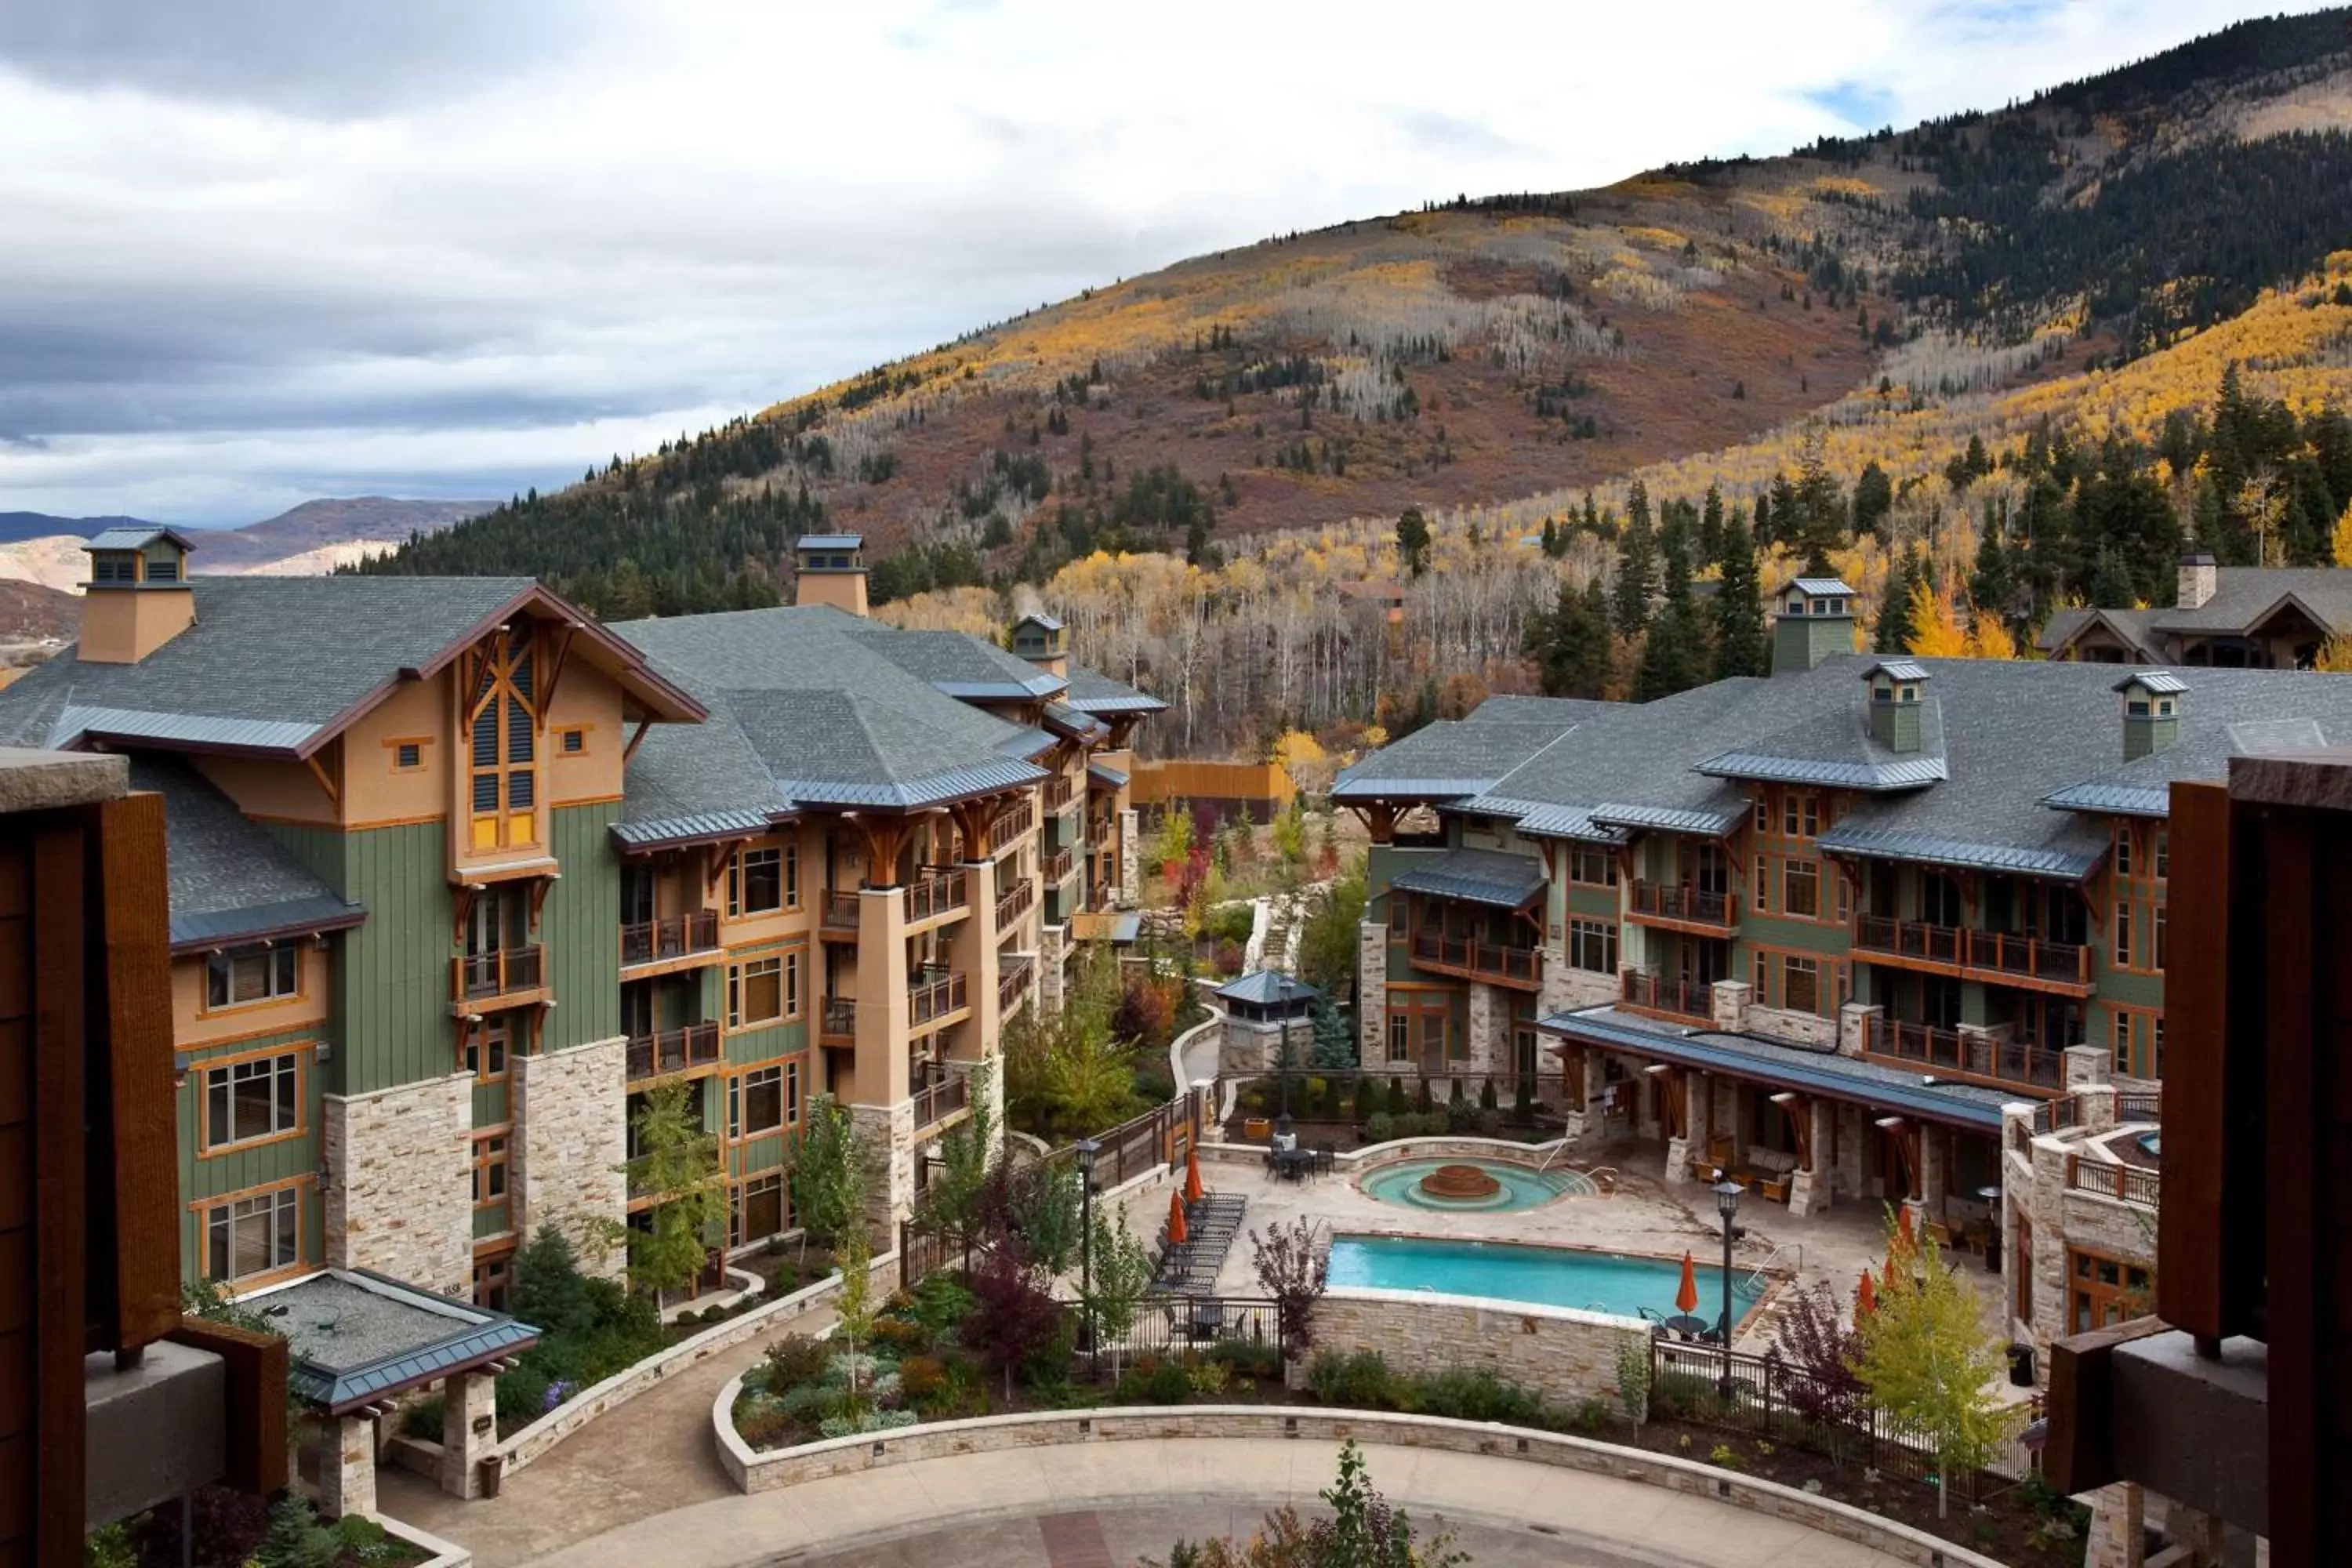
[(1099, 694), (228, 878), (1458, 758)]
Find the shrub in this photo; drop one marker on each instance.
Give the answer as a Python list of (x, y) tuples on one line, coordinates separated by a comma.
[(1523, 1105), (794, 1360), (1727, 1457), (1477, 1395), (1396, 1097), (1168, 1383), (898, 1334), (1310, 1095), (1228, 958), (1421, 1097), (922, 1379), (296, 1537), (1207, 1377), (1361, 1379), (1490, 1122), (424, 1418), (1379, 1127), (1591, 1415), (1487, 1095), (364, 1541), (1679, 1395), (763, 1423), (1249, 1358), (1234, 924), (1460, 1116)]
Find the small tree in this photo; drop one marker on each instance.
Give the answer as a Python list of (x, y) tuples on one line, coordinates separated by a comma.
[(830, 1167), (1633, 1382), (1293, 1270), (677, 1165), (1927, 1361), (1412, 541), (1044, 1210), (1334, 1049), (951, 1203), (1823, 1350), (1120, 1274), (1013, 1316), (853, 1307), (1365, 1531)]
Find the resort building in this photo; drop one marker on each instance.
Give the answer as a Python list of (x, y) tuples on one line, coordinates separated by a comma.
[(1818, 928), (456, 874), (2236, 618)]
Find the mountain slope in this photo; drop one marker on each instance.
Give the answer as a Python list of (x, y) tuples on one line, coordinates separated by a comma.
[(1505, 348)]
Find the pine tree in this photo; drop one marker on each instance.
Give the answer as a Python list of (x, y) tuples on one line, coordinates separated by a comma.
[(1738, 609), (1674, 653), (1896, 628), (1636, 568), (1992, 587), (2111, 586), (1569, 644), (1412, 541), (1710, 525)]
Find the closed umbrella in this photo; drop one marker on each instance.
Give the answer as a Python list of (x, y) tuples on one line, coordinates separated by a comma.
[(1177, 1234), (1193, 1175), (1685, 1320), (1866, 1299)]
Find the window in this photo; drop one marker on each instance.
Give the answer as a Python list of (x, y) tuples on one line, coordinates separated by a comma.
[(490, 1169), (2123, 933), (755, 1103), (1418, 1027), (2122, 1024), (1801, 888), (488, 1047), (493, 1278), (253, 1235), (574, 742), (1801, 984), (1592, 945), (256, 1099), (2102, 1290), (755, 882), (162, 569), (1763, 815), (248, 974), (502, 729), (1396, 914), (759, 1208), (2163, 854), (755, 993), (1801, 815), (2155, 1052), (1591, 865), (2161, 922), (113, 566), (407, 756), (2122, 849)]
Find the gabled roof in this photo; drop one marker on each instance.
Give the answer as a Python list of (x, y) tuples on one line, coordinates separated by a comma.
[(2246, 596), (280, 666), (1064, 719), (1104, 774), (2143, 788), (2162, 681), (1475, 875), (960, 664), (1895, 669), (136, 538), (228, 878), (1835, 749), (1039, 618), (2136, 629), (1099, 694), (1818, 587), (1452, 758)]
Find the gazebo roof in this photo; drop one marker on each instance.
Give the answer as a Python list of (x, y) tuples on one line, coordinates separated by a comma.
[(1268, 988), (356, 1337)]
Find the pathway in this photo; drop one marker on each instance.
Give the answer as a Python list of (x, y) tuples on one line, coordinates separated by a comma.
[(1049, 1507), (653, 1454)]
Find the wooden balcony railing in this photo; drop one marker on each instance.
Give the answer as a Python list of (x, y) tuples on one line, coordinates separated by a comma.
[(1099, 832), (674, 936), (1059, 793), (673, 1050), (934, 996), (940, 1101), (1986, 954), (2110, 1179), (2056, 1115), (1014, 901), (504, 973), (1677, 901), (1692, 999), (1978, 1056), (1056, 869), (1478, 960), (839, 912), (937, 893), (841, 1017), (1008, 824), (1012, 979)]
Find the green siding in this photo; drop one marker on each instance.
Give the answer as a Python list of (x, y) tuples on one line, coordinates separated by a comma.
[(1592, 903), (579, 926), (758, 1154), (1798, 936), (766, 1044), (233, 1170), (491, 1104)]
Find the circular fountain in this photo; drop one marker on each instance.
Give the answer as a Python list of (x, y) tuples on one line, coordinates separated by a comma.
[(1472, 1186), (1459, 1184)]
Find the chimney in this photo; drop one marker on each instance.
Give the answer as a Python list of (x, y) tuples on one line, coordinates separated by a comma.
[(1040, 639), (1814, 621), (1894, 688), (832, 570), (138, 595), (2151, 708), (2200, 581)]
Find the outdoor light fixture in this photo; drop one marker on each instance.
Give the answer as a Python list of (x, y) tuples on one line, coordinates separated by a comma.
[(1086, 1150), (1728, 1194)]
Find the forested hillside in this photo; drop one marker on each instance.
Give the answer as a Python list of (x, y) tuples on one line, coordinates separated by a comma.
[(1999, 345)]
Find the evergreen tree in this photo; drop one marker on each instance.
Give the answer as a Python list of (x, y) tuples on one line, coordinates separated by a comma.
[(1895, 629), (1674, 653), (1570, 643), (1710, 525), (1412, 541), (1873, 499), (2111, 587), (1636, 568), (1738, 609), (1992, 587)]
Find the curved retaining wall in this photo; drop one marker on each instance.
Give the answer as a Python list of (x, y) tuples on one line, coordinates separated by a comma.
[(756, 1472)]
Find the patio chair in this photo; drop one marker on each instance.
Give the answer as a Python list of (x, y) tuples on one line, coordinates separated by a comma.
[(1327, 1158)]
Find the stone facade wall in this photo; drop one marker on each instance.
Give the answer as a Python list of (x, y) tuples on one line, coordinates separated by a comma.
[(1569, 1355), (400, 1194), (570, 1137), (1565, 987), (1805, 1028), (1486, 1053), (1131, 858), (2063, 1218), (1855, 1022), (1053, 949), (1372, 992), (891, 1130)]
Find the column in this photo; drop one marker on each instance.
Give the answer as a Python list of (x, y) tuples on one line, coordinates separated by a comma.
[(1371, 993), (1481, 1028), (347, 1465), (470, 1431), (2118, 1534), (1130, 859), (878, 1099), (972, 948), (1935, 1164), (1814, 1187), (1855, 1022), (1729, 1004)]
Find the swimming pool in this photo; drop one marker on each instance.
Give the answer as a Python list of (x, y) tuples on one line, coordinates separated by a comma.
[(1545, 1276)]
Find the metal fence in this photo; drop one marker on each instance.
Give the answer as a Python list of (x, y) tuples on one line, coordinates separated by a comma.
[(1171, 1325)]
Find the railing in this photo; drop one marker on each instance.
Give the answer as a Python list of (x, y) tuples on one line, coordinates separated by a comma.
[(674, 936), (1014, 901), (1486, 959), (1980, 1055), (1008, 824), (927, 1000), (1059, 793), (941, 892), (1099, 831), (2130, 1108), (1682, 998), (1012, 979), (2056, 1115), (840, 912), (673, 1050), (1996, 954), (497, 974), (1056, 869), (2110, 1179), (841, 1017), (941, 1100), (1673, 901)]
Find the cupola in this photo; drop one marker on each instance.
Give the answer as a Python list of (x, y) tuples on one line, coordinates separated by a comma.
[(1896, 688), (138, 595), (2151, 711), (1041, 639), (1813, 620), (832, 570)]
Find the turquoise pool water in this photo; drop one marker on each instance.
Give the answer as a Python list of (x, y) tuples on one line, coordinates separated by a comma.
[(1520, 1188), (1547, 1276)]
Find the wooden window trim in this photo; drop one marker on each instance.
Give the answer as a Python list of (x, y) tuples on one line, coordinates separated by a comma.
[(564, 734), (305, 1187), (391, 747), (481, 1163), (738, 972), (301, 992), (200, 1080)]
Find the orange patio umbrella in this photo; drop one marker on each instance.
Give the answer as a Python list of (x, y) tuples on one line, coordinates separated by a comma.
[(1193, 1175), (1686, 1298), (1177, 1234), (1866, 1299)]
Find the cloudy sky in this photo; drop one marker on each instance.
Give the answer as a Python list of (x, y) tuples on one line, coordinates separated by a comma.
[(262, 250)]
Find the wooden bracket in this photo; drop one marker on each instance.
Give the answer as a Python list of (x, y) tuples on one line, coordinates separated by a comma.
[(721, 854), (334, 796), (629, 752), (462, 900), (555, 675)]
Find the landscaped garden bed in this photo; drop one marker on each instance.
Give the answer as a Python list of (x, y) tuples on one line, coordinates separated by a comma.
[(234, 1530)]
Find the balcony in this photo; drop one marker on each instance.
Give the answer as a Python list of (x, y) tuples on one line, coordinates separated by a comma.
[(2004, 1063), (673, 1050), (840, 1024), (1057, 867), (1012, 979), (1688, 1001), (1016, 901), (1679, 907), (2034, 962), (2108, 1179), (941, 1100), (1099, 833), (1059, 793), (936, 894), (674, 940), (837, 916), (934, 997), (508, 972), (1009, 825), (1476, 960)]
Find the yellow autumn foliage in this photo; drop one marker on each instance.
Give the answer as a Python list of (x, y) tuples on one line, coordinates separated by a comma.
[(1935, 626), (2340, 542)]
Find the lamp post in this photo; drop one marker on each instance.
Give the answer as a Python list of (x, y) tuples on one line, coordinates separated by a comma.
[(1726, 1204), (1087, 1147)]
